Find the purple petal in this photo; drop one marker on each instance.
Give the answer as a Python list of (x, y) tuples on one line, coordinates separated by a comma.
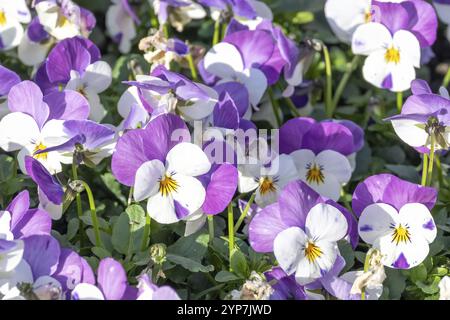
[(208, 78), (295, 201), (165, 293), (18, 207), (386, 188), (32, 222), (420, 86), (8, 79), (88, 275), (67, 55), (297, 128), (221, 189), (67, 105), (328, 136), (238, 93), (111, 279), (226, 114), (336, 286), (154, 142), (286, 287), (70, 269), (27, 97), (46, 182), (256, 47), (401, 262), (88, 20), (95, 135), (264, 228), (36, 31), (42, 254)]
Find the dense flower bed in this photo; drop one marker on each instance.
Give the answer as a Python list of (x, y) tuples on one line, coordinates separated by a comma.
[(224, 149)]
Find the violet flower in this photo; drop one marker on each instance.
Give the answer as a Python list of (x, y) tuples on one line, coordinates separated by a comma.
[(394, 217)]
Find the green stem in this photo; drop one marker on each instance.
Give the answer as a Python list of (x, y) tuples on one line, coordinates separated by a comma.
[(245, 212), (216, 36), (98, 240), (439, 168), (431, 161), (130, 196), (192, 67), (211, 228), (230, 231), (446, 80), (399, 101), (165, 29), (146, 235), (424, 169), (345, 78), (366, 269), (329, 82), (79, 206), (275, 107)]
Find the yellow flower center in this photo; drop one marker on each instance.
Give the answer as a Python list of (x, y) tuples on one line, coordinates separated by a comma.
[(40, 156), (401, 234), (368, 16), (392, 55), (62, 21), (315, 174), (167, 185), (266, 185), (81, 90), (2, 18), (312, 252)]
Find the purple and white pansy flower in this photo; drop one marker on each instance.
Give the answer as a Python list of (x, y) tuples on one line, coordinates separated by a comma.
[(323, 152), (121, 23), (424, 120), (394, 217), (391, 58), (302, 230), (43, 116), (12, 15), (153, 160), (149, 291)]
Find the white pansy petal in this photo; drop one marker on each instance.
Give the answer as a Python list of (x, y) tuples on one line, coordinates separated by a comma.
[(410, 133), (326, 223), (335, 164), (403, 255), (419, 219), (97, 110), (256, 83), (269, 197), (288, 247), (330, 188), (408, 46), (5, 225), (262, 10), (344, 16), (302, 158), (147, 179), (376, 221), (192, 226), (286, 171), (327, 258), (32, 53), (223, 60), (11, 253), (376, 71), (12, 134), (403, 74), (370, 37), (187, 159), (189, 196), (86, 291), (246, 181), (11, 34), (162, 208), (306, 272), (53, 133), (98, 76)]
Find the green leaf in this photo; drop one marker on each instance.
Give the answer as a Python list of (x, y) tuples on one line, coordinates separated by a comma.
[(347, 253), (6, 167), (72, 228), (189, 264), (100, 252), (239, 264), (430, 288), (114, 186), (193, 246), (303, 17), (121, 234), (418, 274), (225, 276), (395, 282)]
